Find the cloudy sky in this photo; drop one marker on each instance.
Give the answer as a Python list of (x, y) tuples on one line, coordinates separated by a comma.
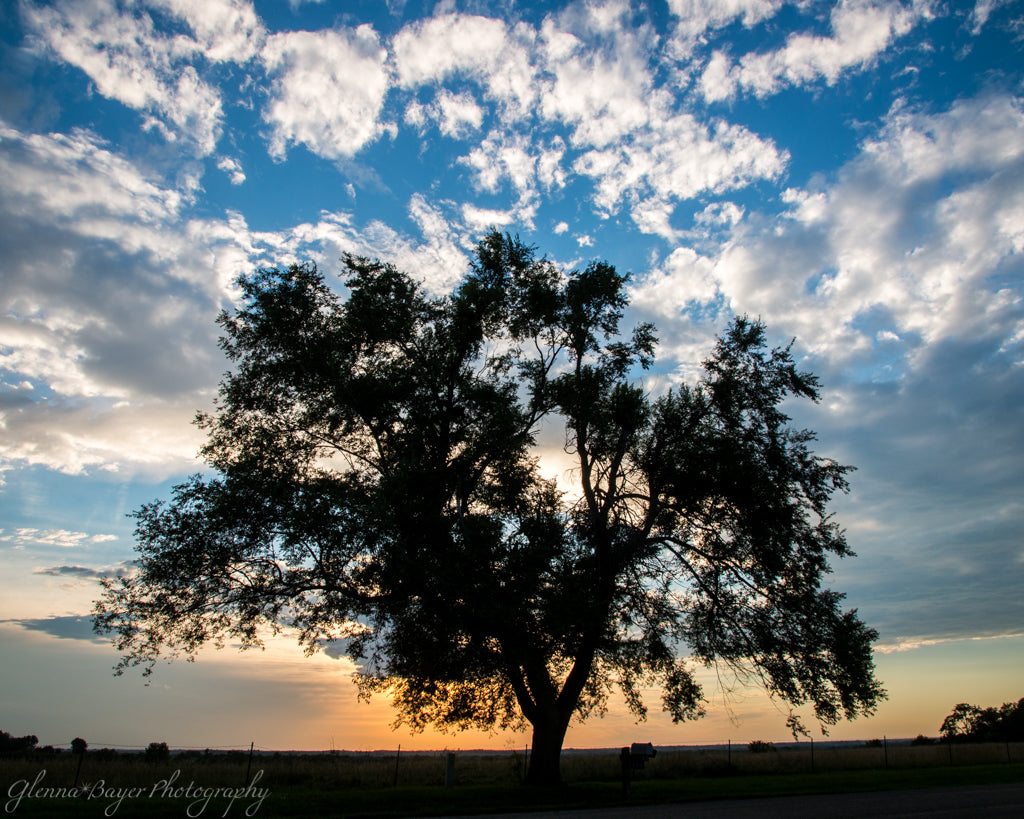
[(852, 173)]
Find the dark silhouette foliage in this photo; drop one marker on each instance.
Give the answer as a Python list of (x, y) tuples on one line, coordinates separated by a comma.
[(157, 752), (10, 745), (759, 746), (969, 723), (78, 748), (375, 479)]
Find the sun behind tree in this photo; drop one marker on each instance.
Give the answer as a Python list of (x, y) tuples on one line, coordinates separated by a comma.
[(376, 480)]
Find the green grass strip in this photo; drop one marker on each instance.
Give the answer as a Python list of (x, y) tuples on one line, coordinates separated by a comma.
[(481, 799), (298, 802)]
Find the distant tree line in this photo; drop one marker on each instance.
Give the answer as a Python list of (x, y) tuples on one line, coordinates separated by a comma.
[(969, 723), (17, 746), (12, 744)]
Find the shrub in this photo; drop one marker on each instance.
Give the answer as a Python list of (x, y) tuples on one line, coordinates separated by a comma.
[(157, 752), (760, 747)]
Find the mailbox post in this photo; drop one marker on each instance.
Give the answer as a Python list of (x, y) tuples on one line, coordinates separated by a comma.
[(632, 759)]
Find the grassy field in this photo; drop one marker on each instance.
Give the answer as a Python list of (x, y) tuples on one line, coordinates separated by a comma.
[(364, 786)]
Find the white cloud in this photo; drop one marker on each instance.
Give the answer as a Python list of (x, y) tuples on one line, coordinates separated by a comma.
[(439, 261), (600, 86), (591, 76), (450, 47), (456, 115), (480, 219), (61, 538), (525, 164), (677, 159), (684, 278), (983, 10), (695, 17), (902, 644), (719, 214), (111, 291), (122, 53), (861, 30), (437, 258), (155, 439), (233, 168), (225, 30), (929, 262), (328, 88), (109, 300), (876, 251), (431, 50)]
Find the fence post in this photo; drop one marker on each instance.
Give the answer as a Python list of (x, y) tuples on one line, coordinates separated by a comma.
[(248, 768), (398, 755), (729, 758), (449, 771), (885, 752), (81, 759), (812, 754), (626, 766)]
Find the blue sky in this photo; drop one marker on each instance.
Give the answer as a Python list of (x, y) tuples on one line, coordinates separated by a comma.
[(852, 173)]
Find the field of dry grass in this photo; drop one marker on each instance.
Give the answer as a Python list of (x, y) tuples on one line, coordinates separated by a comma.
[(336, 771), (363, 786)]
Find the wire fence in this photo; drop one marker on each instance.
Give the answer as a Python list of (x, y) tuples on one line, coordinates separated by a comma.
[(344, 769)]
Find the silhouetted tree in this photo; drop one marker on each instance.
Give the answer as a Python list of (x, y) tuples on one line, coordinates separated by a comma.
[(157, 752), (377, 480), (11, 744), (969, 723), (759, 746)]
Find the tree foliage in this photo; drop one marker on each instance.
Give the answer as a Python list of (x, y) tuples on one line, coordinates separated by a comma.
[(375, 478), (12, 745), (969, 723), (157, 752)]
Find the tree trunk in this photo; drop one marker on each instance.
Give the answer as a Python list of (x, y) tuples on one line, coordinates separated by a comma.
[(546, 751)]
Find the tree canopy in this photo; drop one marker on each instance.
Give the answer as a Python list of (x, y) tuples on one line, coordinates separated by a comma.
[(969, 723), (11, 744), (375, 477)]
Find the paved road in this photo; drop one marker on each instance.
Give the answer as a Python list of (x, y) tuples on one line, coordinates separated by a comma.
[(947, 803)]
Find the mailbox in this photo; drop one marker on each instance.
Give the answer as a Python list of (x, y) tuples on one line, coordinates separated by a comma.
[(633, 758), (639, 753)]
